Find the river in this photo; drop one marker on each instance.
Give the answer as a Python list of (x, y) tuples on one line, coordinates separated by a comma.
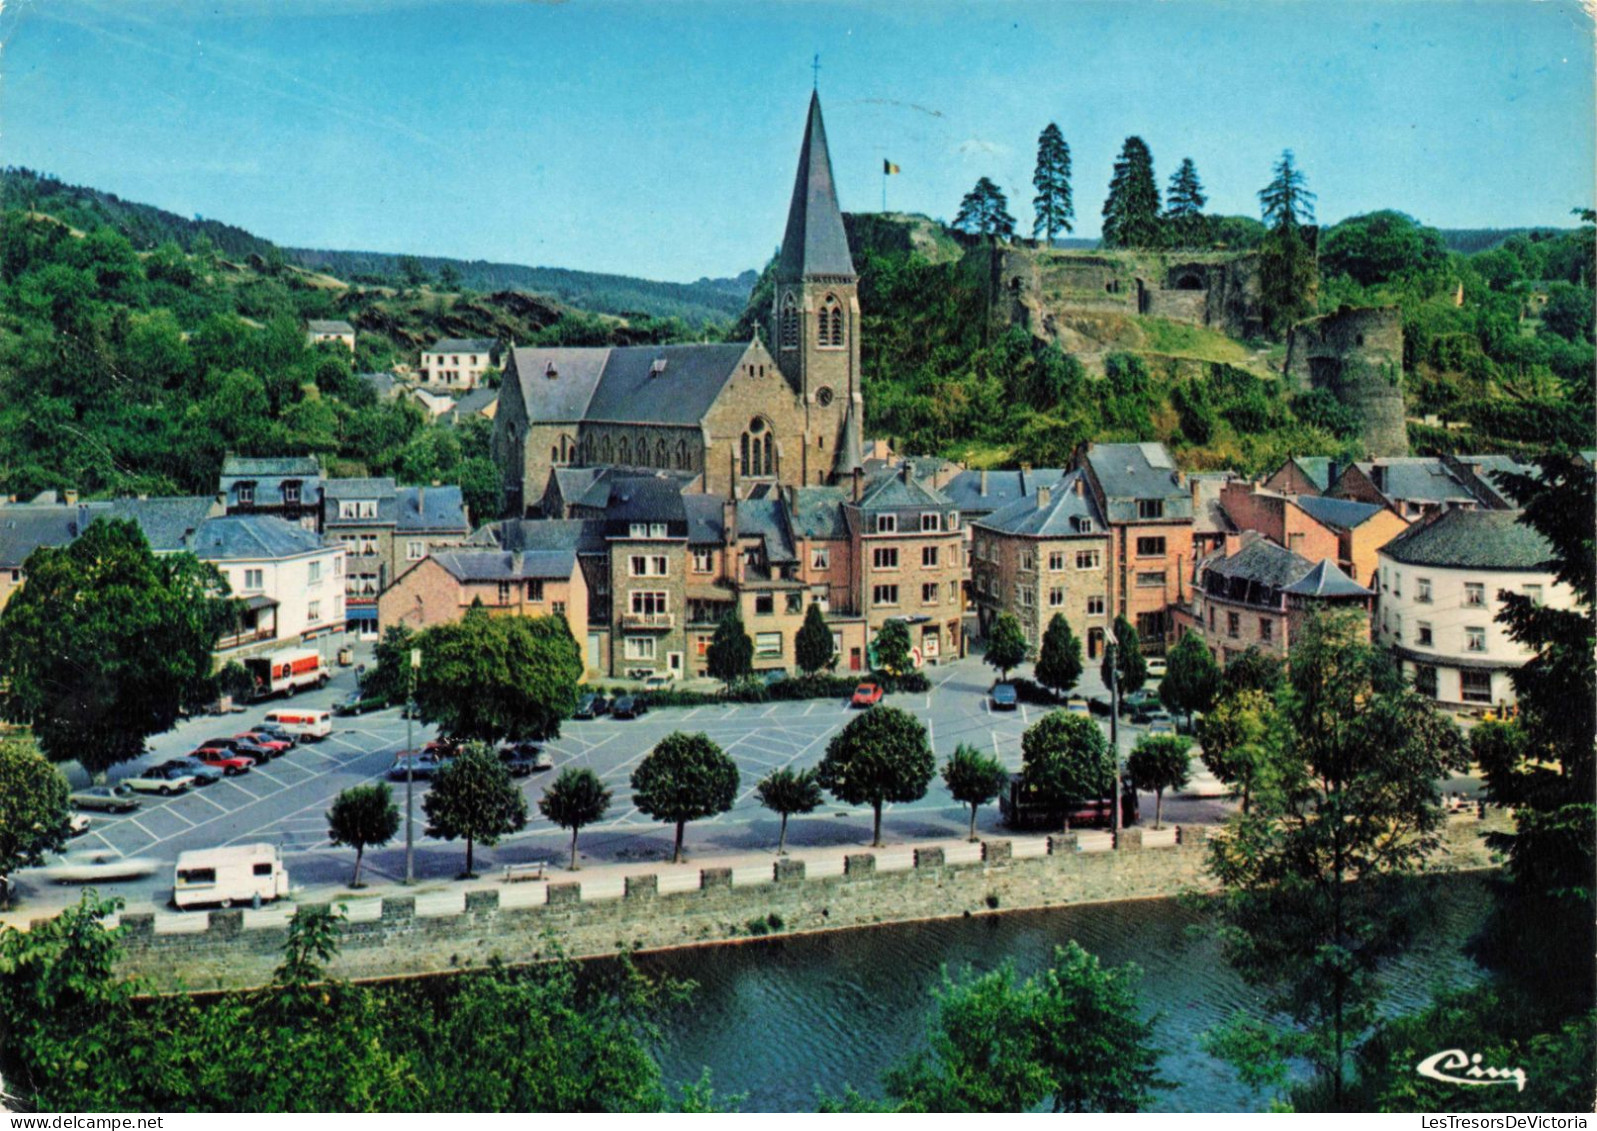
[(775, 1017)]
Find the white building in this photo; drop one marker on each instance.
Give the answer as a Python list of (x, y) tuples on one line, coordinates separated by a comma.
[(290, 583), (330, 330), (1440, 591), (458, 363)]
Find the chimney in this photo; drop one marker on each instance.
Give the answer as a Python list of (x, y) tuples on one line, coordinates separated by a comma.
[(1081, 485), (859, 484), (71, 497), (984, 482), (1025, 470), (903, 470), (729, 540), (1044, 496), (792, 499)]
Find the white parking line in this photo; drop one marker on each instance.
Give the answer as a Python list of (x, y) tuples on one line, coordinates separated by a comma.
[(279, 783), (208, 801)]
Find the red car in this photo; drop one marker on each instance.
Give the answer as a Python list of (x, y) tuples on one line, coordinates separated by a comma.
[(444, 748), (867, 695), (265, 741), (227, 761)]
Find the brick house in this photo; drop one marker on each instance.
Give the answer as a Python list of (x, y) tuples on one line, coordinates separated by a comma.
[(1042, 555), (1361, 529), (1302, 475), (1411, 486)]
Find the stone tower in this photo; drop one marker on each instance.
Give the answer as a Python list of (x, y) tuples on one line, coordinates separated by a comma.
[(815, 319), (1356, 354)]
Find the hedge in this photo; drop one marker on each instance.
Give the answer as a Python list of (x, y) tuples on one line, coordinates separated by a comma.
[(802, 687)]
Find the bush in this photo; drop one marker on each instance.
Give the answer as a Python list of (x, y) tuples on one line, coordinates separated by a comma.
[(1030, 691)]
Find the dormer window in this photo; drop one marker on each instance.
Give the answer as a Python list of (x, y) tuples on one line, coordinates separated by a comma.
[(887, 524), (246, 494), (928, 522), (290, 492), (1150, 508)]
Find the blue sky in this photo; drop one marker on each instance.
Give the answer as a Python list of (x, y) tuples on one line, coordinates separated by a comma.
[(659, 139)]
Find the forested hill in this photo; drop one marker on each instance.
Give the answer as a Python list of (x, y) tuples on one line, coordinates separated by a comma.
[(147, 227)]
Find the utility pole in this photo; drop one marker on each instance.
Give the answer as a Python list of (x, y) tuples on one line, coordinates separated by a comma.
[(1114, 716), (410, 767)]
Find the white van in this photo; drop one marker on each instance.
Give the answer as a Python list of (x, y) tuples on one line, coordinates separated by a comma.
[(303, 722), (244, 873)]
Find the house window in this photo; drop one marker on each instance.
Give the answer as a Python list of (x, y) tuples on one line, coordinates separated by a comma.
[(703, 561), (821, 557), (291, 492), (885, 557), (1425, 680), (254, 580), (357, 508), (1266, 630), (1056, 560), (1211, 618), (504, 592), (795, 602), (928, 523), (315, 573), (1233, 624), (366, 545), (1150, 547), (953, 520), (415, 551), (928, 593), (1397, 584), (764, 604), (953, 593), (884, 594), (338, 567), (1150, 508), (1474, 640), (767, 644), (1534, 594), (1056, 596), (246, 494), (1151, 580), (1294, 542), (1089, 559), (313, 611), (649, 602), (535, 590), (558, 608), (647, 565), (1028, 560), (1422, 634), (1474, 595), (1422, 594), (639, 647), (887, 524), (1023, 596), (1095, 606), (1475, 687)]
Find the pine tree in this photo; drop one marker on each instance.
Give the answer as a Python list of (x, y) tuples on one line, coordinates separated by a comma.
[(1287, 270), (1059, 660), (730, 656), (1131, 212), (1184, 201), (1052, 204), (985, 211), (1286, 202), (812, 645)]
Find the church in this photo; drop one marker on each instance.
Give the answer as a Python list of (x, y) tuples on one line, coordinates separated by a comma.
[(725, 419)]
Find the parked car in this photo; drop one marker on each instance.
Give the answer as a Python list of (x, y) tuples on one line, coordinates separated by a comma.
[(226, 761), (203, 775), (104, 798), (98, 867), (278, 734), (77, 825), (629, 707), (422, 766), (358, 703), (444, 748), (1149, 712), (1155, 666), (1004, 697), (658, 682), (162, 781), (278, 746), (591, 706), (1138, 702), (524, 758), (867, 695), (240, 746), (1165, 726), (1077, 706), (772, 675), (306, 723)]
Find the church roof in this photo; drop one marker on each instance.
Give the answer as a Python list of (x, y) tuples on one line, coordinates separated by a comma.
[(815, 243), (849, 446), (629, 384)]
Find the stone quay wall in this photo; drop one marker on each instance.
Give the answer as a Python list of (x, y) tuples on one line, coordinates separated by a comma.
[(225, 954)]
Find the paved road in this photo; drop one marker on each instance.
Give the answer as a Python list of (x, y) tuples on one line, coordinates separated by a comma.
[(285, 801)]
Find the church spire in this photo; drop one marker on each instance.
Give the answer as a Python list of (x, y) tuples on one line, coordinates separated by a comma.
[(815, 243)]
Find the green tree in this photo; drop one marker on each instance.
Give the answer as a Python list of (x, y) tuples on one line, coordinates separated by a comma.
[(1381, 246), (974, 779), (474, 798), (788, 791), (1071, 1038), (449, 277), (34, 816), (1254, 670), (812, 646), (1184, 201), (1237, 741), (412, 271), (731, 653), (1127, 658), (1065, 760), (1286, 201), (108, 643), (1191, 678), (1156, 763), (685, 777), (1287, 270), (985, 212), (486, 678), (893, 648), (1352, 797), (1053, 205), (1131, 211), (363, 816), (1059, 660), (1006, 644), (880, 756), (574, 799), (390, 673)]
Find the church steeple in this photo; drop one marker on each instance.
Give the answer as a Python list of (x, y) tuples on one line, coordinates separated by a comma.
[(815, 243)]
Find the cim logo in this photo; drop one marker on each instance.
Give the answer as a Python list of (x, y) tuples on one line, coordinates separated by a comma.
[(1440, 1066)]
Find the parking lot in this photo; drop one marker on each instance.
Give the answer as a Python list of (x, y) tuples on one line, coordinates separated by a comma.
[(285, 801)]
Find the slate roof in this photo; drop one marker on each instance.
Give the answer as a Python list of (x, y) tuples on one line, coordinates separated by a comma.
[(251, 537), (895, 491), (1003, 487), (762, 518), (645, 499), (1208, 516), (382, 491), (1067, 514), (329, 326), (578, 535), (500, 565), (1344, 514), (1318, 469), (478, 400), (704, 519), (24, 527), (849, 444), (383, 384), (1492, 469), (1128, 472), (464, 345), (1472, 539), (1262, 562), (682, 393), (263, 467), (563, 397), (439, 508), (1419, 478), (168, 522), (815, 243), (1326, 580), (818, 513)]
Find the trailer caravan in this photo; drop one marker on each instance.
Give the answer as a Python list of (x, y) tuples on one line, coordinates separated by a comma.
[(240, 874)]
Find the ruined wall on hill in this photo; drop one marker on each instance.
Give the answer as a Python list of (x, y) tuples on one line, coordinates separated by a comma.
[(1357, 355)]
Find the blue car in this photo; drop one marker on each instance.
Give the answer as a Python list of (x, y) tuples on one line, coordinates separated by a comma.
[(1004, 697)]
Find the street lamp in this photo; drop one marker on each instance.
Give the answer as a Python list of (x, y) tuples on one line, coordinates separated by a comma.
[(1113, 645), (410, 767)]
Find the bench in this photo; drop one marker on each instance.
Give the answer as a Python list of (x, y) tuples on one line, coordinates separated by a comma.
[(514, 873)]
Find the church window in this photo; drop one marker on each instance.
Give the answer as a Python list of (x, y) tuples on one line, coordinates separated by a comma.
[(624, 452), (823, 395), (609, 453), (659, 455), (829, 329), (643, 451), (682, 455), (788, 323), (758, 450)]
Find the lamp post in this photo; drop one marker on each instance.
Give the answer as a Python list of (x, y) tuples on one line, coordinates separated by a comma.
[(410, 767), (1113, 645)]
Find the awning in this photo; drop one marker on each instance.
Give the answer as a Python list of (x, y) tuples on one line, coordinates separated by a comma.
[(353, 613), (258, 602)]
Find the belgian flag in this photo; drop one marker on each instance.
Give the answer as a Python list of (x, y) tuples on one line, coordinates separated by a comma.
[(888, 168)]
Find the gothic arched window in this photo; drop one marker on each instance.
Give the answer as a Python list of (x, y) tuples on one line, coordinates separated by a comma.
[(788, 323), (624, 452), (682, 455), (829, 328), (660, 459), (608, 452), (643, 451), (758, 449)]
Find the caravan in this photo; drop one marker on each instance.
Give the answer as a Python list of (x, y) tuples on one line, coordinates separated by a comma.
[(244, 873)]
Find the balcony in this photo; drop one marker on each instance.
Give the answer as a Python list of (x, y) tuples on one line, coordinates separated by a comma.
[(661, 622)]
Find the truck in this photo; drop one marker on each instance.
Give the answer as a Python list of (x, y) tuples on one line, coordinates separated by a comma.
[(285, 672), (1023, 807)]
